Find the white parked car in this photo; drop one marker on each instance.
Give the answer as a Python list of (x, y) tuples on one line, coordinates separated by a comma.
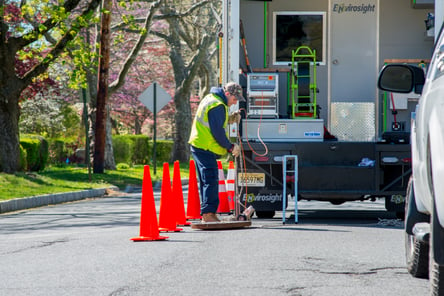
[(424, 220)]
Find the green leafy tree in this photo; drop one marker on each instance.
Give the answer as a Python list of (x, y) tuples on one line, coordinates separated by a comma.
[(43, 30)]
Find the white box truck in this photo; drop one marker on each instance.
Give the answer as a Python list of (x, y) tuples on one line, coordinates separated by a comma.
[(309, 70)]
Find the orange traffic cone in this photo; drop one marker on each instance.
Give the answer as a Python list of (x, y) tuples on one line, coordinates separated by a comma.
[(223, 197), (149, 230), (178, 197), (167, 219), (193, 204), (230, 184)]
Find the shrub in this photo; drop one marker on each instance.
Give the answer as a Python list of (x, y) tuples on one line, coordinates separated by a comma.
[(62, 149), (57, 151), (122, 166), (23, 162), (43, 154), (163, 150), (141, 151), (133, 149), (36, 152), (122, 147), (137, 149)]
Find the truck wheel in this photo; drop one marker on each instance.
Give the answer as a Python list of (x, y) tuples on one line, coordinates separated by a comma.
[(436, 267), (265, 214), (417, 252), (337, 202)]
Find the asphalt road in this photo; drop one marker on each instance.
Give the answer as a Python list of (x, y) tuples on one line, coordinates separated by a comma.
[(84, 248)]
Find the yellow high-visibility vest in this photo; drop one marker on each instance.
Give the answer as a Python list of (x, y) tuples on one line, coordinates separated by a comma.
[(201, 136)]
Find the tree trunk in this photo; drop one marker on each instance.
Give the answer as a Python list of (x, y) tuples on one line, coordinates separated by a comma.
[(110, 164), (102, 92), (137, 125), (181, 149), (9, 135)]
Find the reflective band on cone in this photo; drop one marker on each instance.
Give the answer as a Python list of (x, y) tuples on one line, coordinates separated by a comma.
[(230, 185), (223, 198)]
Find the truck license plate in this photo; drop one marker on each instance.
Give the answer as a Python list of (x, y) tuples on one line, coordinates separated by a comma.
[(251, 179)]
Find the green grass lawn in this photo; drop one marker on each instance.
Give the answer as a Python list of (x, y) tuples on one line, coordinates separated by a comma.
[(72, 178)]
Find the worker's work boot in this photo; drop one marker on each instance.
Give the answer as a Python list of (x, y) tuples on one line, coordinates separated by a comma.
[(210, 217)]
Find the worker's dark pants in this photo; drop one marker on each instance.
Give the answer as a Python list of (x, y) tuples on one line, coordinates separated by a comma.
[(206, 163)]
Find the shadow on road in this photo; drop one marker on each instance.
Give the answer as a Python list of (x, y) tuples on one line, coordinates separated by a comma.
[(335, 217)]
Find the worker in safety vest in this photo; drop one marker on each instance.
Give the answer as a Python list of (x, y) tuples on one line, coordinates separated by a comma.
[(209, 141)]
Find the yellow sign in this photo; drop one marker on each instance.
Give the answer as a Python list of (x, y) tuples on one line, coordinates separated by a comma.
[(251, 179)]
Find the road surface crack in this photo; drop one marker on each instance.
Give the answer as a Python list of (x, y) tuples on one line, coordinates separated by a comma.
[(40, 245)]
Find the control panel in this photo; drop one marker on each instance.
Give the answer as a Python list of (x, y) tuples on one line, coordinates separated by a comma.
[(262, 95)]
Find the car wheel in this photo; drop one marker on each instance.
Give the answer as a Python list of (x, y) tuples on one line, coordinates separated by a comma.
[(417, 252)]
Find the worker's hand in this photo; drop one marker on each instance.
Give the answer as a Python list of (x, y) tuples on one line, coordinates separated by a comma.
[(236, 150), (235, 117)]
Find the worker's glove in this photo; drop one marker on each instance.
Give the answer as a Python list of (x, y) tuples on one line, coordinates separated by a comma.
[(236, 150), (235, 117)]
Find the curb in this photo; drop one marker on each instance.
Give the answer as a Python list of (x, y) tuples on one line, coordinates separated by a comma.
[(18, 204), (24, 203)]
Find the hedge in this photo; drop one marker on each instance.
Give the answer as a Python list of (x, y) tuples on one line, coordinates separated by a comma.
[(164, 149), (122, 148), (23, 162), (36, 148), (36, 151), (138, 149), (141, 153)]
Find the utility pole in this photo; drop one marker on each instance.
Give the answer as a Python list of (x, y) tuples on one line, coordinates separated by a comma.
[(102, 89)]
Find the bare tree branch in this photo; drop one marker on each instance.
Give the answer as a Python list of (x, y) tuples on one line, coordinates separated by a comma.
[(133, 55), (190, 11)]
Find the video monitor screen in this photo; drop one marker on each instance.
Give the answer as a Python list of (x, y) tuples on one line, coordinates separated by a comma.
[(294, 29)]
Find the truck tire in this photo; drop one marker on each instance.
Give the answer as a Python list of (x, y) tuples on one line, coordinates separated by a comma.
[(265, 214), (417, 252), (417, 256), (436, 269)]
